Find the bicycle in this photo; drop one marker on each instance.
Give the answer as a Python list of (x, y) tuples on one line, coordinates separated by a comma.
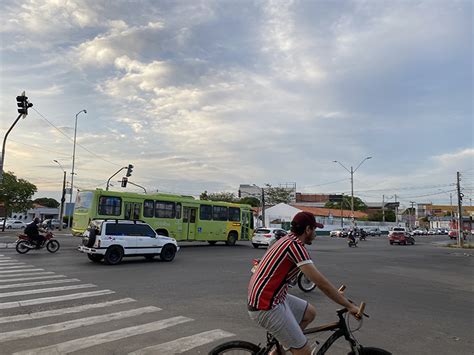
[(340, 329)]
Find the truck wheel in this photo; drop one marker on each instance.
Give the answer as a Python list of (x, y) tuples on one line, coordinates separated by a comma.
[(113, 255)]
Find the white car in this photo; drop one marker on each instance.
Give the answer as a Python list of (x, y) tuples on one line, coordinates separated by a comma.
[(14, 224), (111, 240), (267, 236)]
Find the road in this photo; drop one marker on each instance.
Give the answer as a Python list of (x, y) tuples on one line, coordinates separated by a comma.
[(419, 298)]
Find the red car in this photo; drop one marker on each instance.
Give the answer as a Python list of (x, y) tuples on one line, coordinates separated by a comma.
[(454, 234), (401, 238)]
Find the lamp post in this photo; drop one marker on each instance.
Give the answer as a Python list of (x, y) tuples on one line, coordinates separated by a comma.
[(73, 161), (63, 196), (352, 171)]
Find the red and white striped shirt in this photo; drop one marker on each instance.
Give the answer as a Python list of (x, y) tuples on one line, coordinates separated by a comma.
[(269, 284)]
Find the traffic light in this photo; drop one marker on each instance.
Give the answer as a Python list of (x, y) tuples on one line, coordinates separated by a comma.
[(129, 170), (23, 104), (124, 181)]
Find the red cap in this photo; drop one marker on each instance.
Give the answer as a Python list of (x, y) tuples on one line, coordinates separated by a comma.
[(306, 219)]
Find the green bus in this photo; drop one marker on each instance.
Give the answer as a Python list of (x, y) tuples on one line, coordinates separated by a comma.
[(181, 217)]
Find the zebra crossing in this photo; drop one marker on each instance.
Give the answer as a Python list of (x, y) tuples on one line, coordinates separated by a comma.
[(39, 314)]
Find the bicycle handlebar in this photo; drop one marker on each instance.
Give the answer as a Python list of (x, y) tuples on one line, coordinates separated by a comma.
[(361, 313)]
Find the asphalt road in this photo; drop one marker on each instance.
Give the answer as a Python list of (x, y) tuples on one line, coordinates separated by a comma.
[(419, 298)]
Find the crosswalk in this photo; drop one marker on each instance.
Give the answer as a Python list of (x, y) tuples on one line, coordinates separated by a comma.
[(40, 314)]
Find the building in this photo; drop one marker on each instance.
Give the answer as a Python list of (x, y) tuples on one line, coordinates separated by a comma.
[(37, 211)]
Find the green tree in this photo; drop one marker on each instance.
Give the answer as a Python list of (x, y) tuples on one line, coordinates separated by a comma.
[(275, 195), (47, 202), (15, 194), (252, 201), (378, 216), (359, 205), (218, 196)]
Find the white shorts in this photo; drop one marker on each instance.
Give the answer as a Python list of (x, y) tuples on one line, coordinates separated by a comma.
[(283, 321)]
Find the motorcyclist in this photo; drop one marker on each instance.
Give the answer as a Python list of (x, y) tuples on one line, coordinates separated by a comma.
[(351, 236), (32, 231)]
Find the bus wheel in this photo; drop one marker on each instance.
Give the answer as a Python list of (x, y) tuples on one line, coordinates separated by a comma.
[(212, 242), (231, 239)]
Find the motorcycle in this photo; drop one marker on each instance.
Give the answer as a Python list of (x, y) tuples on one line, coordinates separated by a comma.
[(352, 242), (24, 244), (305, 284)]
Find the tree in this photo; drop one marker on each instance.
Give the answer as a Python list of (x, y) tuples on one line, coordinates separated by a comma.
[(378, 216), (15, 194), (218, 196), (252, 201), (275, 195), (359, 205), (47, 202)]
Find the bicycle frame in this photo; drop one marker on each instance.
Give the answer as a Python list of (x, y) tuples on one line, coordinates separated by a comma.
[(340, 330)]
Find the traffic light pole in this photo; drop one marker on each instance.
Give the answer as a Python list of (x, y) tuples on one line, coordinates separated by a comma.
[(4, 144), (108, 181), (63, 199)]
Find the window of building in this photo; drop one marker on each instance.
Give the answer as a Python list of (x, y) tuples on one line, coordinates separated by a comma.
[(220, 213), (205, 213), (110, 206), (164, 209)]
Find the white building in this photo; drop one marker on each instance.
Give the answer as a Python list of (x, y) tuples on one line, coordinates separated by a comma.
[(37, 211)]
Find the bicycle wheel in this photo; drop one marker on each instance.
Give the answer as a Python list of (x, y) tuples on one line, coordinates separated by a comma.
[(372, 351), (305, 284), (235, 347)]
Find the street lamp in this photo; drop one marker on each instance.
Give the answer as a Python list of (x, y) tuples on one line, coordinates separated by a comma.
[(352, 171), (61, 211), (73, 161)]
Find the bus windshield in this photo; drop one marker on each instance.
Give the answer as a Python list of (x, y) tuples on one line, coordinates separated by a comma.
[(84, 200)]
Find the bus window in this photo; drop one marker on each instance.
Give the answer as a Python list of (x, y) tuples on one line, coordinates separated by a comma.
[(219, 213), (192, 216), (178, 210), (164, 209), (205, 213), (110, 206), (84, 200), (148, 208), (234, 214)]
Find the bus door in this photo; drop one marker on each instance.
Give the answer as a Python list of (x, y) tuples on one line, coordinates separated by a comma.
[(244, 234), (189, 222), (132, 210)]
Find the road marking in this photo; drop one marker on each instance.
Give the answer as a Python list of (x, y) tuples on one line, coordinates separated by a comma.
[(181, 345), (6, 260), (10, 264), (32, 278), (12, 271), (97, 339), (17, 267), (43, 290), (61, 311), (27, 274), (72, 296), (38, 283), (76, 323)]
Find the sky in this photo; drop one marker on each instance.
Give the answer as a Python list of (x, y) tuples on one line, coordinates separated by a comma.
[(208, 95)]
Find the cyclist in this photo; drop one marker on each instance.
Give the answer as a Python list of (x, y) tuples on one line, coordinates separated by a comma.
[(269, 304)]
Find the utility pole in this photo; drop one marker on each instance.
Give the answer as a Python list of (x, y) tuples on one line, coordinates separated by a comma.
[(460, 196), (263, 207), (383, 208), (342, 216), (396, 210), (63, 199), (451, 203), (412, 203)]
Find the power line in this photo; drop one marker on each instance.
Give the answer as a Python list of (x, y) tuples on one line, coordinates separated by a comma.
[(69, 138)]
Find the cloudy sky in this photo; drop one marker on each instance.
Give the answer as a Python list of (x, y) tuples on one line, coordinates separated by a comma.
[(206, 95)]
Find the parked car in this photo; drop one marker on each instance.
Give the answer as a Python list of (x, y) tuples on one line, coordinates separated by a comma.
[(453, 234), (374, 232), (266, 236), (111, 240), (54, 223), (14, 224), (419, 231), (401, 238)]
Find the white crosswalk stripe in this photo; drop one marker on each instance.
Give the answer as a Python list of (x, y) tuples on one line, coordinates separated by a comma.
[(62, 311), (43, 300), (38, 283), (32, 278), (15, 275), (24, 273), (84, 343), (43, 290), (76, 323), (184, 344), (6, 260)]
